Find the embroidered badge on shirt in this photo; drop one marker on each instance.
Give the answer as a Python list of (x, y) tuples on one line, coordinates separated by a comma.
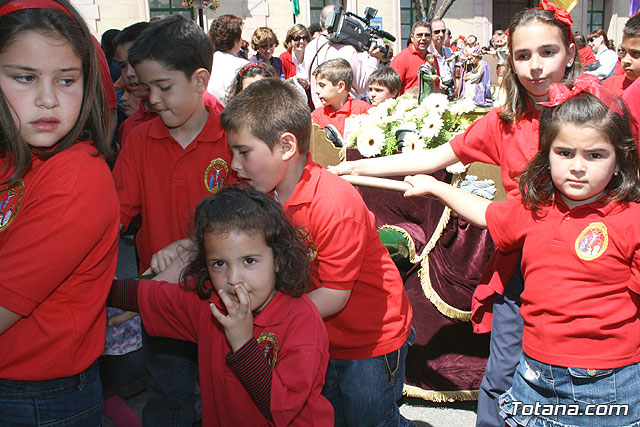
[(10, 200), (269, 345), (216, 175), (592, 241), (311, 247)]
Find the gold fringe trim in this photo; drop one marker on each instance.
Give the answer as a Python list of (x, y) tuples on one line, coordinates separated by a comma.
[(440, 396), (444, 308), (412, 245)]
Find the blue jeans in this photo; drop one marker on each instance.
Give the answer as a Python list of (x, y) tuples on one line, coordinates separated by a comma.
[(172, 369), (591, 396), (505, 349), (364, 392), (74, 401)]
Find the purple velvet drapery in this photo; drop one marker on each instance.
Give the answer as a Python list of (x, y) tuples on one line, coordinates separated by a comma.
[(447, 355)]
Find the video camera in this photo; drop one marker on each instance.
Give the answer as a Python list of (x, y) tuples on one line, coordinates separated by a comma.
[(348, 28)]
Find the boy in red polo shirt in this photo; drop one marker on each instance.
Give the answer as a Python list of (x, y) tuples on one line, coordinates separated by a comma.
[(355, 284), (629, 54), (166, 167), (333, 83)]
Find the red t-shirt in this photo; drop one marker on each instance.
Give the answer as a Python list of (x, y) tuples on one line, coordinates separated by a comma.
[(326, 115), (617, 84), (347, 254), (582, 279), (58, 254), (510, 146), (143, 114), (299, 348), (157, 178), (586, 55), (407, 63)]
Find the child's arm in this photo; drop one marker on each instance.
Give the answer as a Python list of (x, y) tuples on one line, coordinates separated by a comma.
[(329, 301), (425, 161), (246, 359), (167, 255), (469, 206)]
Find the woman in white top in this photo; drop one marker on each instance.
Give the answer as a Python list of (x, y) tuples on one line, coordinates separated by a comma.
[(605, 54), (226, 34), (293, 58)]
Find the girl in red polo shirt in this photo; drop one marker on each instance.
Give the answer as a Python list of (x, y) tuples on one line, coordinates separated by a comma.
[(59, 217), (578, 231), (541, 52), (262, 345)]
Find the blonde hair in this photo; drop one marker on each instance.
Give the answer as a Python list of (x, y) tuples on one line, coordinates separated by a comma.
[(262, 36)]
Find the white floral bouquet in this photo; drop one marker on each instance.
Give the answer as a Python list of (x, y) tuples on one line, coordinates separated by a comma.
[(403, 124)]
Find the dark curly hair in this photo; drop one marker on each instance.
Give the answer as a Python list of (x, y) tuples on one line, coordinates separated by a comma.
[(247, 210), (583, 110), (224, 32)]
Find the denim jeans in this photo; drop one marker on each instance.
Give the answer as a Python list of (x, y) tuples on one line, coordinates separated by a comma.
[(74, 401), (172, 369), (364, 392), (505, 349), (592, 393)]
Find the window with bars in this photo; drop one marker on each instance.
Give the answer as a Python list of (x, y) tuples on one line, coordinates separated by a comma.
[(169, 7), (595, 15), (407, 19), (316, 6)]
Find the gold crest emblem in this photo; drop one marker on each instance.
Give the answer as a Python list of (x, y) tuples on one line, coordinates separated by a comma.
[(269, 345), (592, 241), (10, 200), (216, 176), (311, 247)]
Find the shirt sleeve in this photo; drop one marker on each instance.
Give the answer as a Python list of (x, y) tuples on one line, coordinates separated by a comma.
[(169, 310), (480, 142), (125, 175), (68, 210), (608, 60), (506, 222)]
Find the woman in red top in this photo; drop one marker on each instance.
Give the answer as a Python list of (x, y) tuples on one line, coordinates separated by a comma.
[(59, 217)]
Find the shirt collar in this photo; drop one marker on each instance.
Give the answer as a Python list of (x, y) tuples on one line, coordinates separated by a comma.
[(601, 206), (306, 187), (211, 132)]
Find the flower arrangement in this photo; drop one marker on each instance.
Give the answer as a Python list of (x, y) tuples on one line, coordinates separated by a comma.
[(403, 124), (211, 4)]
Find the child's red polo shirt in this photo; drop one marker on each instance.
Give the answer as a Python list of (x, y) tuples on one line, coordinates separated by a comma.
[(157, 178), (511, 146), (294, 338), (581, 271), (617, 84), (347, 254), (326, 115), (407, 63), (58, 254), (143, 114)]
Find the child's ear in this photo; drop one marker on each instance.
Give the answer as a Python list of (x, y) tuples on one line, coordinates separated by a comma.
[(200, 78), (341, 86), (288, 146), (395, 94)]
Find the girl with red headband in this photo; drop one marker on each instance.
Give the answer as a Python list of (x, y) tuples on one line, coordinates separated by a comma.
[(578, 231), (59, 217), (541, 52)]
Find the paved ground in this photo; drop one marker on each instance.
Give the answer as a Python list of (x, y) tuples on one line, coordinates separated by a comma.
[(424, 414)]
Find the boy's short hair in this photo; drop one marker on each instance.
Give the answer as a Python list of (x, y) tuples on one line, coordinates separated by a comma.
[(266, 109), (130, 33), (387, 77), (262, 36), (632, 26), (176, 42), (335, 70)]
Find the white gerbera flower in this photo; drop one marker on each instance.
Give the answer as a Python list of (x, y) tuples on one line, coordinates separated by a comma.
[(412, 142), (457, 168), (431, 126), (370, 141), (415, 114), (462, 106), (436, 102)]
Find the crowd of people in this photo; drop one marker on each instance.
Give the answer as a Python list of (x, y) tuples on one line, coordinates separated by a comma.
[(265, 295)]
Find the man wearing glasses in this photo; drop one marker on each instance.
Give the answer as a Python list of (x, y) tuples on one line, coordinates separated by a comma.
[(408, 61), (442, 53)]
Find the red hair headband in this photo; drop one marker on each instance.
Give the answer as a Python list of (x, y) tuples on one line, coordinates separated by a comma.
[(558, 93), (16, 5), (559, 13), (251, 65)]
